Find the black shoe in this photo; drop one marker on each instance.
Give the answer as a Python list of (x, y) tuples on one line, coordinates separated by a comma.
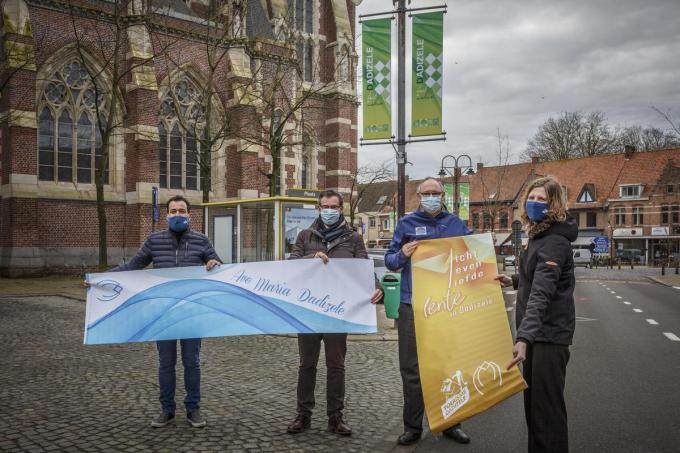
[(163, 419), (300, 424), (409, 438), (195, 419), (457, 434)]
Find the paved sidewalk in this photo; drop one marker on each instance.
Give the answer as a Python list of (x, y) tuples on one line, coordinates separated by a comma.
[(60, 395)]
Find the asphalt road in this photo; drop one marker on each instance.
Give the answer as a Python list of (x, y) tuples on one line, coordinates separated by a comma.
[(623, 379)]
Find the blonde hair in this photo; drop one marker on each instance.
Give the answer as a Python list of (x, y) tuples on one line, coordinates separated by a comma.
[(557, 204)]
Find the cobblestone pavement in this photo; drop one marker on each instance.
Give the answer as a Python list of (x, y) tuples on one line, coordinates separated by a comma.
[(59, 395)]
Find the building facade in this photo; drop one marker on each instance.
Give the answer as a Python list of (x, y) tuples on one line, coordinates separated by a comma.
[(54, 90), (631, 198)]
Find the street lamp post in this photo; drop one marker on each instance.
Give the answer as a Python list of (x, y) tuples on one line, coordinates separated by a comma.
[(456, 174)]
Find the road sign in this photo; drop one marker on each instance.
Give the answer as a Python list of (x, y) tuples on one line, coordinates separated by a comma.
[(601, 244)]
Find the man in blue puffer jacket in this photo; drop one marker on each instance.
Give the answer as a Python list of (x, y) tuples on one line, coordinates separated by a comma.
[(178, 246), (430, 221)]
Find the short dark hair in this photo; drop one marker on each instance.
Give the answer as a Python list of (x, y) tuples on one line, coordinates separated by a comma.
[(178, 198), (330, 193)]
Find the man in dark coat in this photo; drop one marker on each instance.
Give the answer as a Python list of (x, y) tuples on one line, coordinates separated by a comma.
[(329, 237), (178, 246)]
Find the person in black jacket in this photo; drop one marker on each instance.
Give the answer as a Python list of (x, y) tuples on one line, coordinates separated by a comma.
[(545, 316), (178, 246)]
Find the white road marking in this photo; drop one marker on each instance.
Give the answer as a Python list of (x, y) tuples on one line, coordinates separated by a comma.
[(581, 318), (676, 287), (626, 302), (671, 336), (613, 292), (652, 322), (619, 297), (637, 310)]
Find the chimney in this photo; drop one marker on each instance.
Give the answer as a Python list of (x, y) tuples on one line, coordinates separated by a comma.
[(534, 160), (479, 166), (628, 151)]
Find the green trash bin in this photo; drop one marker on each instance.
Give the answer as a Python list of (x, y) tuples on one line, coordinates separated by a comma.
[(390, 285)]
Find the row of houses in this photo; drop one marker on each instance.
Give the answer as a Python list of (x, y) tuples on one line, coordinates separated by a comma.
[(631, 198)]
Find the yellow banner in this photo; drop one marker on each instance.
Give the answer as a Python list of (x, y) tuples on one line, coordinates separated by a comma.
[(462, 330)]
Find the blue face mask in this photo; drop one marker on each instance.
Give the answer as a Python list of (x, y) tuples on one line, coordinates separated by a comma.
[(329, 216), (178, 223), (431, 203), (536, 210)]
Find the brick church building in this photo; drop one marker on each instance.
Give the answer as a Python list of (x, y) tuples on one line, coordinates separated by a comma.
[(50, 147)]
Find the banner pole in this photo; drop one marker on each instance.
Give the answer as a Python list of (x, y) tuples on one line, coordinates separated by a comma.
[(401, 110)]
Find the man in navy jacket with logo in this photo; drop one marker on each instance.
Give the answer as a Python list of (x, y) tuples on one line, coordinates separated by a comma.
[(430, 221), (178, 246)]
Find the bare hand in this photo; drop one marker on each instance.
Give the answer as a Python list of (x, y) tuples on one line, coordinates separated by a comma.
[(409, 248), (504, 280), (211, 264), (322, 256), (377, 295), (86, 284), (519, 354)]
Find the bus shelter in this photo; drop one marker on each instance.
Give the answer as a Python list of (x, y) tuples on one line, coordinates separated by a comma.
[(257, 229)]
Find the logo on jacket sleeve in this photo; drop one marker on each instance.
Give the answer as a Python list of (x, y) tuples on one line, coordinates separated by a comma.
[(421, 231)]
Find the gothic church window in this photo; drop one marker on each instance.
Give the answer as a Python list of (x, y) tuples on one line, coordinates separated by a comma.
[(69, 138), (179, 147)]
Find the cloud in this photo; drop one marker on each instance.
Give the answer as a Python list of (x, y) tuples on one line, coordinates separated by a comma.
[(511, 65)]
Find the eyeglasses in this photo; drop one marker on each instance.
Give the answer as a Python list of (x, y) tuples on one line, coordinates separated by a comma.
[(329, 206), (429, 194)]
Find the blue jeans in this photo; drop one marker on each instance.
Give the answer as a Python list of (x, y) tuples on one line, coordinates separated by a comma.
[(167, 358)]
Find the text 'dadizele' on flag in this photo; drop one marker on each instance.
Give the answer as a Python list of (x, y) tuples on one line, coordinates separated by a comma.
[(377, 78), (273, 297), (462, 329), (427, 73)]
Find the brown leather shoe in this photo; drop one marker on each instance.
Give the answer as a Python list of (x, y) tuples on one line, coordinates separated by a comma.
[(338, 426), (301, 423)]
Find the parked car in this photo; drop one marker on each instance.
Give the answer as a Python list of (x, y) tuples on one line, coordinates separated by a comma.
[(582, 257), (379, 265), (509, 260), (628, 255)]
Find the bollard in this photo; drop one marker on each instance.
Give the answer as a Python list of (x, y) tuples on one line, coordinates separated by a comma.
[(631, 263), (676, 269), (618, 261), (663, 268)]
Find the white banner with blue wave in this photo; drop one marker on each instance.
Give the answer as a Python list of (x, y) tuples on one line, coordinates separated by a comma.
[(273, 297)]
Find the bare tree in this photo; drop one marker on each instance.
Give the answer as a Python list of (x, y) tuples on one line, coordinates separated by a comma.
[(647, 138), (106, 39), (668, 116), (198, 105), (362, 179), (287, 84), (492, 181), (572, 134)]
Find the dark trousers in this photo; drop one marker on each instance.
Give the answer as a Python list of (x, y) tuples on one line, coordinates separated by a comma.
[(414, 406), (167, 358), (545, 370), (335, 348)]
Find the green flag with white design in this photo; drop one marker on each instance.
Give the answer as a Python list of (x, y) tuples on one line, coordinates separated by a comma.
[(377, 86), (427, 75)]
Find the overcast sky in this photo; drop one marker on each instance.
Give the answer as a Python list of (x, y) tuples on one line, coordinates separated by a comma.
[(511, 65)]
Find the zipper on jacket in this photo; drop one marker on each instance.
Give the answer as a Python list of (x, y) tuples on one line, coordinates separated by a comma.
[(177, 256)]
